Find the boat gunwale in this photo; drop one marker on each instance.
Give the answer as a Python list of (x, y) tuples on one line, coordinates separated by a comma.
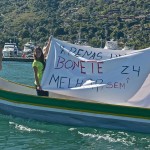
[(76, 105)]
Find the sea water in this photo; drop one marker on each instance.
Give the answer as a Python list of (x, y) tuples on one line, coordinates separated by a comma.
[(20, 134)]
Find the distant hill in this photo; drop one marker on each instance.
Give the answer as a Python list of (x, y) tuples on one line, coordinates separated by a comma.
[(127, 21)]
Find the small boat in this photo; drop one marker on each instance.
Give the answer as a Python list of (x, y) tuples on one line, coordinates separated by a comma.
[(28, 48), (119, 100), (126, 47), (111, 45), (21, 101), (10, 50)]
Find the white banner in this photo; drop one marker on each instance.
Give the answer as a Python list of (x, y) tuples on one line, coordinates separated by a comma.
[(95, 74)]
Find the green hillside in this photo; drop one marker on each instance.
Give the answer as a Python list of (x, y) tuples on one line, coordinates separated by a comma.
[(124, 20)]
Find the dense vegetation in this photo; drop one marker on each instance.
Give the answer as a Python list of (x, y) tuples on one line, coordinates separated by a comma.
[(127, 21)]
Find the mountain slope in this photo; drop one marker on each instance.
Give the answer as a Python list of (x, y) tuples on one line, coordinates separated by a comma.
[(124, 20)]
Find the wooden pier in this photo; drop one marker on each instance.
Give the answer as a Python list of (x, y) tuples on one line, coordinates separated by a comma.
[(17, 59)]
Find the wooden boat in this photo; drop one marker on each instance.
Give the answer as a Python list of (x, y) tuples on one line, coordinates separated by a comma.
[(21, 101), (83, 101)]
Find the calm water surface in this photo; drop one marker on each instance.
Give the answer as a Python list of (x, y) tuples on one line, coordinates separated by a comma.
[(20, 134)]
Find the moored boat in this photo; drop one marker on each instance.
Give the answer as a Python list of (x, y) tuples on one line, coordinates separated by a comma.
[(111, 45), (10, 50), (28, 47)]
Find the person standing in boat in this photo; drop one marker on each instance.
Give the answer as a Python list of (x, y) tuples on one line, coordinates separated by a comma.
[(38, 67)]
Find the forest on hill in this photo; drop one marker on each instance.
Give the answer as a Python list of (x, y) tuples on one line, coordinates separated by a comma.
[(127, 21)]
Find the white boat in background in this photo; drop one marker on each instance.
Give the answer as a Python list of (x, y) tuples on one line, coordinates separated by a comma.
[(112, 45), (28, 47), (128, 47), (12, 53), (10, 50)]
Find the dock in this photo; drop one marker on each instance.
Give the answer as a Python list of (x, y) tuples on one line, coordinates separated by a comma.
[(17, 59)]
